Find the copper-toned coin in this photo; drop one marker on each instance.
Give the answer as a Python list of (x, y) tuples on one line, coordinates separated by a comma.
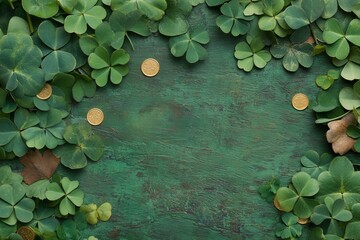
[(95, 116), (27, 233), (150, 67), (277, 204), (300, 101), (303, 221), (45, 93)]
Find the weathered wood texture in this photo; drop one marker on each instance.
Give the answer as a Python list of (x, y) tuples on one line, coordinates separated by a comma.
[(187, 150)]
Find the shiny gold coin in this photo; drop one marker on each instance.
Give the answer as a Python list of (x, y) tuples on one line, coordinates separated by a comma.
[(150, 67), (303, 221), (300, 101), (27, 233), (45, 93), (95, 116)]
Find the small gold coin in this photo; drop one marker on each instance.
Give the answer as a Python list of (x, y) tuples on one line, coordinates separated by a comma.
[(150, 67), (27, 233), (303, 221), (95, 116), (45, 93), (300, 101)]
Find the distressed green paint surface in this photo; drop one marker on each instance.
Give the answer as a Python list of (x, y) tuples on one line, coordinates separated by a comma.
[(187, 150)]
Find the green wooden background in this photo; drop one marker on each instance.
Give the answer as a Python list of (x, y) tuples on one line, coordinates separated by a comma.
[(187, 150)]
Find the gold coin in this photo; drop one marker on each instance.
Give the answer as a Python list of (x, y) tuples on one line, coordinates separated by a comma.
[(303, 221), (300, 101), (150, 67), (45, 93), (95, 116), (27, 233)]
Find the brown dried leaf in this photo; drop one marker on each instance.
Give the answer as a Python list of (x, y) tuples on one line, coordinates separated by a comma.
[(38, 166), (336, 135)]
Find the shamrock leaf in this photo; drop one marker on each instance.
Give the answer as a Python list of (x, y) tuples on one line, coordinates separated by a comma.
[(154, 9), (41, 8), (297, 16), (337, 40), (108, 66), (352, 230), (349, 99), (190, 45), (271, 9), (351, 70), (253, 7), (313, 164), (14, 207), (56, 60), (269, 189), (175, 22), (250, 55), (38, 166), (44, 219), (232, 19), (326, 81), (331, 213), (48, 133), (83, 144), (37, 189), (340, 181), (298, 199), (85, 13), (212, 3), (289, 228), (7, 176), (68, 193), (94, 213), (19, 65)]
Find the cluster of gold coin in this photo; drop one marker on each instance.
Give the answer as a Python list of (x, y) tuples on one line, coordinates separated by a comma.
[(150, 67), (300, 101)]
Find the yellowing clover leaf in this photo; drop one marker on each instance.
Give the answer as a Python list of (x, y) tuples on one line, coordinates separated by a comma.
[(84, 13), (108, 66)]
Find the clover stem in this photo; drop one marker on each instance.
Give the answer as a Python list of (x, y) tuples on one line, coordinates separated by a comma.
[(11, 5), (30, 23), (131, 43)]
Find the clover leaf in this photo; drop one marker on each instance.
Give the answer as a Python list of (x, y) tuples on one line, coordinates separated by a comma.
[(269, 189), (85, 13), (295, 53), (44, 219), (331, 213), (14, 206), (154, 9), (212, 3), (19, 65), (351, 69), (326, 81), (253, 7), (338, 40), (7, 176), (41, 8), (190, 45), (297, 16), (232, 19), (175, 22), (352, 230), (289, 228), (83, 144), (271, 9), (251, 55), (314, 164), (94, 213), (298, 199), (56, 60), (340, 181), (349, 99), (106, 66), (67, 193)]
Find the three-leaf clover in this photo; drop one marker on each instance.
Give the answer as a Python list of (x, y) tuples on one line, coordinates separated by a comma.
[(82, 144), (44, 219), (14, 206), (190, 45), (108, 66), (314, 164), (251, 55), (175, 21), (56, 60), (67, 193), (332, 212), (297, 52), (233, 19), (289, 228), (298, 197), (85, 13), (94, 213), (272, 8), (154, 9), (340, 181), (326, 81), (338, 40)]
